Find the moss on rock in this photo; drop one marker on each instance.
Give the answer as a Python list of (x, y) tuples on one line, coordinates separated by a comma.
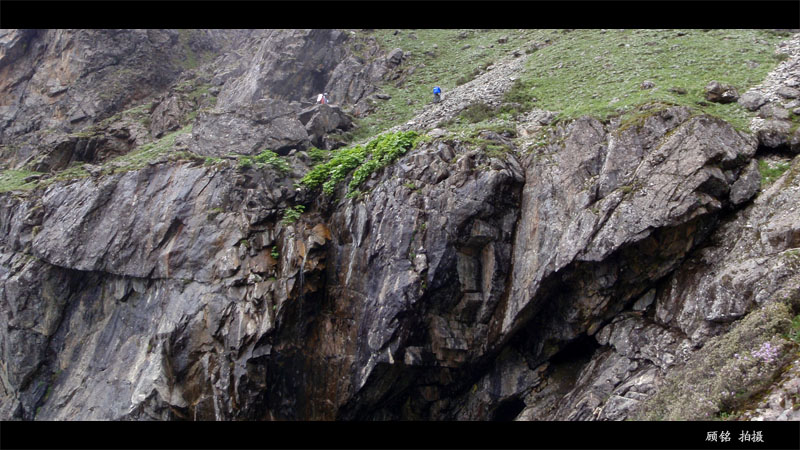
[(729, 371)]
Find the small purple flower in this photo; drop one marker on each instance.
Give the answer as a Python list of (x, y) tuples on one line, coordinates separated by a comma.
[(766, 353)]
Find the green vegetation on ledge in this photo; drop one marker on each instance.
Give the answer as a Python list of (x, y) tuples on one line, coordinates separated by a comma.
[(265, 158), (148, 152), (14, 180), (381, 151), (292, 214)]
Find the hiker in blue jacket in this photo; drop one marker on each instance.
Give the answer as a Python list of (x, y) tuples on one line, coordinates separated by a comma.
[(437, 94)]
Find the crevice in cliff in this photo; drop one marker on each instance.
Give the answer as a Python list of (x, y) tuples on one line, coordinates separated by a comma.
[(579, 349)]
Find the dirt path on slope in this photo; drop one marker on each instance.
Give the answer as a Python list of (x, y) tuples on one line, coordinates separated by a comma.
[(487, 88), (787, 74)]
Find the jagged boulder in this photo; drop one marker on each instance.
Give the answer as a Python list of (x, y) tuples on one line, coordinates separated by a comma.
[(752, 100), (395, 57), (320, 120), (720, 93), (774, 134), (247, 130), (788, 92), (353, 80), (166, 116)]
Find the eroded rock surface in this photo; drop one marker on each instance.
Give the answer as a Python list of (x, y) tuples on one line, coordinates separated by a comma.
[(774, 98)]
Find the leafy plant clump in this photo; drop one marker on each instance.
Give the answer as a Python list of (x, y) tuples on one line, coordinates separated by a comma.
[(318, 155), (329, 173), (265, 158), (381, 152), (292, 214), (384, 150)]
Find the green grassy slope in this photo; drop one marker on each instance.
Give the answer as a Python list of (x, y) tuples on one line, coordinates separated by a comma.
[(595, 72), (447, 65)]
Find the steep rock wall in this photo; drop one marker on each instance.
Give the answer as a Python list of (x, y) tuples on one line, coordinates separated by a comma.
[(440, 294)]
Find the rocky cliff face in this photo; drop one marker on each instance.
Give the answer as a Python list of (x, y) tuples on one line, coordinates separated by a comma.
[(617, 270)]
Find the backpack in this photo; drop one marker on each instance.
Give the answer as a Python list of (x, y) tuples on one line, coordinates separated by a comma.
[(437, 90)]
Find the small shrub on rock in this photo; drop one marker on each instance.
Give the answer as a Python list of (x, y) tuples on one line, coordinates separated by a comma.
[(365, 159), (292, 214), (477, 112)]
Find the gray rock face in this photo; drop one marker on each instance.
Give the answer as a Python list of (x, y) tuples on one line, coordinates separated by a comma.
[(264, 125), (461, 221), (744, 269), (259, 108), (289, 65), (321, 120), (602, 212), (142, 297), (166, 117), (436, 280), (748, 266), (72, 78), (352, 81)]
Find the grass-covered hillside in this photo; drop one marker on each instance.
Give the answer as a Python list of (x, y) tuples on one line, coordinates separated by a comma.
[(577, 72), (446, 58)]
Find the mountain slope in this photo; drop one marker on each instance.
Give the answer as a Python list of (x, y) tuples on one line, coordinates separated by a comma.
[(556, 240)]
